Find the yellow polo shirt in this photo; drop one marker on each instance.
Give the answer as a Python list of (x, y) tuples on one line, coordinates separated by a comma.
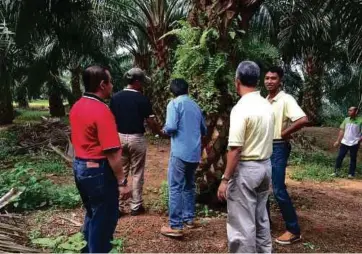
[(286, 110), (252, 127)]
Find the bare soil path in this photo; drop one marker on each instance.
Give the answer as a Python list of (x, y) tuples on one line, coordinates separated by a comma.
[(329, 214)]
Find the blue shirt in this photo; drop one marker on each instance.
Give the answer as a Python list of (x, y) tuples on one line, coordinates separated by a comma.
[(186, 125)]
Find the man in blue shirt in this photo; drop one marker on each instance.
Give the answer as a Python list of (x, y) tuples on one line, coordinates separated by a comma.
[(186, 126)]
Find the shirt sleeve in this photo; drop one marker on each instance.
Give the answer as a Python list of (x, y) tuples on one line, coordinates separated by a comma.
[(293, 110), (107, 131), (172, 119), (343, 124), (203, 126), (238, 123), (147, 108)]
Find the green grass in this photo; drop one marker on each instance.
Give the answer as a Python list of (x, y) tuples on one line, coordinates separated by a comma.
[(39, 104), (316, 166), (28, 115), (52, 164), (315, 172)]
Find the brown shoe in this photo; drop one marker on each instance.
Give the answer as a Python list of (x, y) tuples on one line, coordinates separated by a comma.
[(288, 238), (168, 231)]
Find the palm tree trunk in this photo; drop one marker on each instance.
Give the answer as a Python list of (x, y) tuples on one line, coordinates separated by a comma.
[(218, 14), (56, 107), (6, 101), (22, 97), (75, 83), (6, 105), (142, 61), (312, 94)]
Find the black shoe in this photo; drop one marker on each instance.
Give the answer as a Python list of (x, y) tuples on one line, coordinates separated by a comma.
[(139, 211)]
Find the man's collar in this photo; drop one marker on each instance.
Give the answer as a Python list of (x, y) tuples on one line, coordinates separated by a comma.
[(278, 96), (93, 97), (249, 94), (130, 89)]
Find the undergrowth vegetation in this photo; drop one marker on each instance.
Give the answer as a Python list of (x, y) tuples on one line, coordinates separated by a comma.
[(37, 190), (26, 115), (71, 244), (31, 175), (315, 165)]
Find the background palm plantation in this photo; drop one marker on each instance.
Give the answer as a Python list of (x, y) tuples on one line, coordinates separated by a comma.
[(46, 44)]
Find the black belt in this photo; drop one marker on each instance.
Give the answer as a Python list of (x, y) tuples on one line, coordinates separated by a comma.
[(280, 141)]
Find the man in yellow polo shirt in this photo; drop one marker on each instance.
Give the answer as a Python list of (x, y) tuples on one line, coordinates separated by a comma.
[(289, 118), (245, 183)]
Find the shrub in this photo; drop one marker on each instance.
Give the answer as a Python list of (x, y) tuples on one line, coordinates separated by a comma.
[(316, 165), (7, 142), (36, 191), (164, 195)]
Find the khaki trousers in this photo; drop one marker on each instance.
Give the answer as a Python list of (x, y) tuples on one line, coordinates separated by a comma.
[(134, 148), (248, 227)]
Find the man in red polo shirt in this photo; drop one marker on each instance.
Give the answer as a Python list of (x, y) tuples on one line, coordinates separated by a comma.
[(97, 166)]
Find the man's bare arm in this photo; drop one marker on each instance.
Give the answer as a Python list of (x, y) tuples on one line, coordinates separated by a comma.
[(233, 158), (115, 161), (339, 138), (155, 127), (294, 127)]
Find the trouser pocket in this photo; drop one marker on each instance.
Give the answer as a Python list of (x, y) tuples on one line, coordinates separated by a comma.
[(91, 183)]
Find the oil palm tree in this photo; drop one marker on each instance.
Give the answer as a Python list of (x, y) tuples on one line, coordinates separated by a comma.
[(63, 32), (146, 21), (8, 58)]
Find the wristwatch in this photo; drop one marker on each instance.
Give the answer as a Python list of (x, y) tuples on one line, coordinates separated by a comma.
[(223, 178), (123, 183)]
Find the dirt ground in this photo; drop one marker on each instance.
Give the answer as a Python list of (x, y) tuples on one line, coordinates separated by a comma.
[(329, 214)]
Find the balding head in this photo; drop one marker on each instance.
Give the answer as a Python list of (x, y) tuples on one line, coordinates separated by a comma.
[(248, 73)]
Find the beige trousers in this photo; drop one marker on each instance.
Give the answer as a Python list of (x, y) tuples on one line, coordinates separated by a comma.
[(134, 148), (248, 227)]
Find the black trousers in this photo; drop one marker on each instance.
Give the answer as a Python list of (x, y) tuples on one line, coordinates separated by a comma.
[(353, 154)]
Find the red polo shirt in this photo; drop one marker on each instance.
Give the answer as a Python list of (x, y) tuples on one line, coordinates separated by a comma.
[(93, 128)]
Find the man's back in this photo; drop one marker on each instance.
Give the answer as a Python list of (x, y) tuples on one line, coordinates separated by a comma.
[(252, 127), (186, 123), (130, 109)]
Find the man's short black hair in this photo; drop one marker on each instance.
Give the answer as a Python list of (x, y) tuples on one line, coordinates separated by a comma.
[(276, 69), (248, 73), (93, 76), (179, 87)]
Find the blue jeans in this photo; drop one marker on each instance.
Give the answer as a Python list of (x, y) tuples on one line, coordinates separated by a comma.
[(181, 182), (353, 154), (279, 159), (98, 189)]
